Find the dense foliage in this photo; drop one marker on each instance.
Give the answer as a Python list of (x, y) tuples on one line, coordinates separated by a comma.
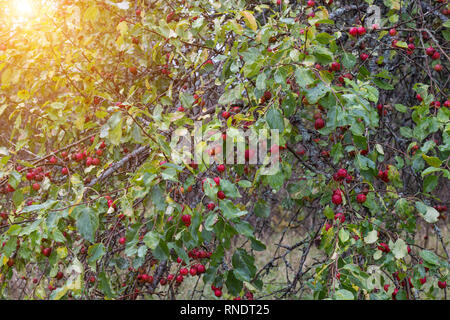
[(94, 205)]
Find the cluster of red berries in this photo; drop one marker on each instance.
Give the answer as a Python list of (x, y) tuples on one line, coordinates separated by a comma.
[(437, 104), (339, 217), (357, 31), (342, 175), (217, 291), (110, 202), (440, 208), (383, 175), (266, 97), (382, 111), (186, 218), (197, 254), (37, 175), (336, 198), (319, 122), (384, 247)]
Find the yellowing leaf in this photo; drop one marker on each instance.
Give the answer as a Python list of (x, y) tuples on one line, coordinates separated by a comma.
[(91, 13), (23, 95), (122, 27), (6, 77), (250, 20)]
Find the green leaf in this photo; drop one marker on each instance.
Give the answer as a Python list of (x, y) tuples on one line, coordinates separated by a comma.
[(348, 60), (230, 189), (430, 257), (87, 223), (324, 37), (328, 212), (230, 211), (344, 235), (400, 249), (400, 108), (382, 84), (429, 214), (261, 81), (371, 237), (231, 95), (430, 183), (151, 240), (243, 265), (14, 179), (275, 119), (233, 284), (115, 131), (303, 77), (95, 252), (313, 95), (261, 209), (432, 161), (104, 285), (344, 294)]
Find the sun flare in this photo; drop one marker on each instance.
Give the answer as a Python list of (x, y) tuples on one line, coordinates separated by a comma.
[(23, 8)]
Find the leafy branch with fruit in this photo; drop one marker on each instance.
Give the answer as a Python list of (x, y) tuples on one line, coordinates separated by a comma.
[(96, 204)]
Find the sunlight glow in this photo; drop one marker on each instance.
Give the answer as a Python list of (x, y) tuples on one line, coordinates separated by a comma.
[(24, 8)]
